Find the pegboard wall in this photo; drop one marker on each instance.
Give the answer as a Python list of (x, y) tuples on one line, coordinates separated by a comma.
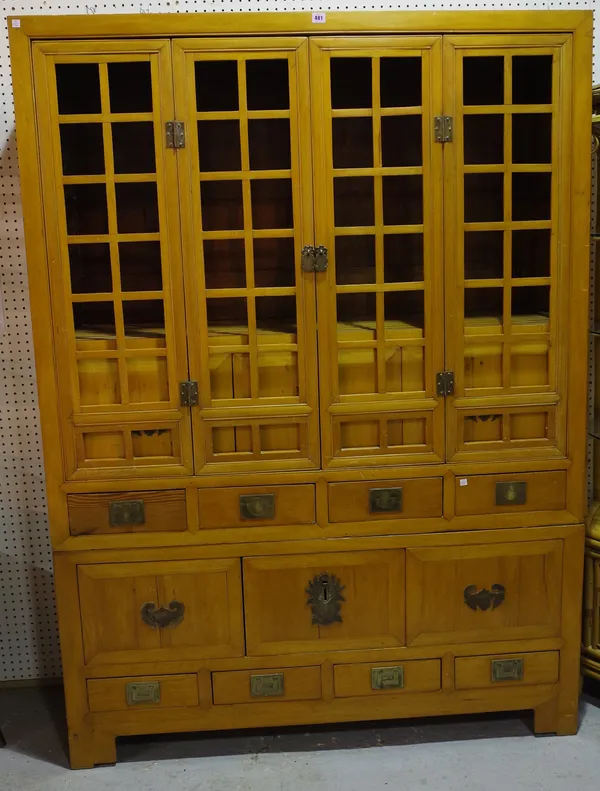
[(29, 646)]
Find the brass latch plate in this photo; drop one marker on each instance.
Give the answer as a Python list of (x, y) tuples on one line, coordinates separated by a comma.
[(387, 677), (507, 669), (126, 512), (142, 692), (269, 685), (511, 493), (257, 506), (385, 500)]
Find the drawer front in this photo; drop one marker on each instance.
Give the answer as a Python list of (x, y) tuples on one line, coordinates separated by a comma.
[(254, 506), (328, 601), (391, 678), (504, 494), (153, 611), (501, 670), (483, 592), (127, 512), (263, 686), (364, 501), (142, 692)]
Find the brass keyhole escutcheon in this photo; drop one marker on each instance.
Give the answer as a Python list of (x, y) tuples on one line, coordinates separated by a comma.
[(511, 493), (257, 506)]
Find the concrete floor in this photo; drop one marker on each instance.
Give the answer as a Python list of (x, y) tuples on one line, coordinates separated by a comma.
[(482, 753)]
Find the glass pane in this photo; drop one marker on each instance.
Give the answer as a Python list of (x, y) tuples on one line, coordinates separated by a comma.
[(226, 314), (277, 374), (94, 321), (90, 268), (484, 254), (82, 149), (357, 309), (144, 324), (85, 207), (483, 365), (529, 365), (140, 264), (269, 144), (353, 201), (222, 205), (484, 139), (351, 83), (216, 85), (355, 259), (274, 263), (137, 207), (483, 80), (148, 379), (224, 263), (130, 87), (532, 79), (276, 315), (531, 301), (230, 373), (267, 84), (133, 147), (78, 88), (219, 145), (531, 253), (357, 371), (532, 138), (531, 194), (402, 141), (403, 257), (402, 309), (352, 142), (272, 203), (402, 200), (400, 81), (98, 382), (405, 369), (483, 303), (484, 197)]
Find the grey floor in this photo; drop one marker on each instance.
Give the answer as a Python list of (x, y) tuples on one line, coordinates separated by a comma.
[(483, 753)]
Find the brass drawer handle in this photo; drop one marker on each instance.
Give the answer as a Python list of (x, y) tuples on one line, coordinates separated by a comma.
[(484, 599), (324, 598), (162, 617), (268, 685), (511, 493), (507, 669), (385, 501), (257, 506), (126, 512), (387, 677), (146, 692)]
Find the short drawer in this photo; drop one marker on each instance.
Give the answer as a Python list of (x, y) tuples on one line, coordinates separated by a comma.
[(500, 494), (143, 692), (363, 501), (259, 686), (381, 678), (251, 506), (478, 672), (127, 512)]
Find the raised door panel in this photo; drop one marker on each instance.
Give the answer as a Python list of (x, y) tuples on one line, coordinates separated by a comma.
[(507, 291), (480, 593), (112, 228), (146, 612), (378, 199), (246, 196), (279, 615)]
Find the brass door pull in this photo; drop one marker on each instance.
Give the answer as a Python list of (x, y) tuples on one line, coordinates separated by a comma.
[(484, 599), (161, 616)]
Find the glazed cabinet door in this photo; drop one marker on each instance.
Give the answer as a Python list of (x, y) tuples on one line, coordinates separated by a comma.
[(246, 198), (378, 208), (112, 226), (507, 228)]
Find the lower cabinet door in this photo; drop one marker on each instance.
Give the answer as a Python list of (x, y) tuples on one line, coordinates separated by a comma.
[(328, 601), (489, 592), (152, 611)]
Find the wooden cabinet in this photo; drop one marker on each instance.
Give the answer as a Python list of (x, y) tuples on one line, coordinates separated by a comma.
[(310, 317)]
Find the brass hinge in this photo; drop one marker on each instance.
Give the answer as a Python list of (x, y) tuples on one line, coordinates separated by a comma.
[(314, 259), (175, 134), (444, 383), (188, 393), (442, 128)]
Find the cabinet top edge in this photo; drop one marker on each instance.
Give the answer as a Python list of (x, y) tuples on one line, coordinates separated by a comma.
[(298, 22)]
